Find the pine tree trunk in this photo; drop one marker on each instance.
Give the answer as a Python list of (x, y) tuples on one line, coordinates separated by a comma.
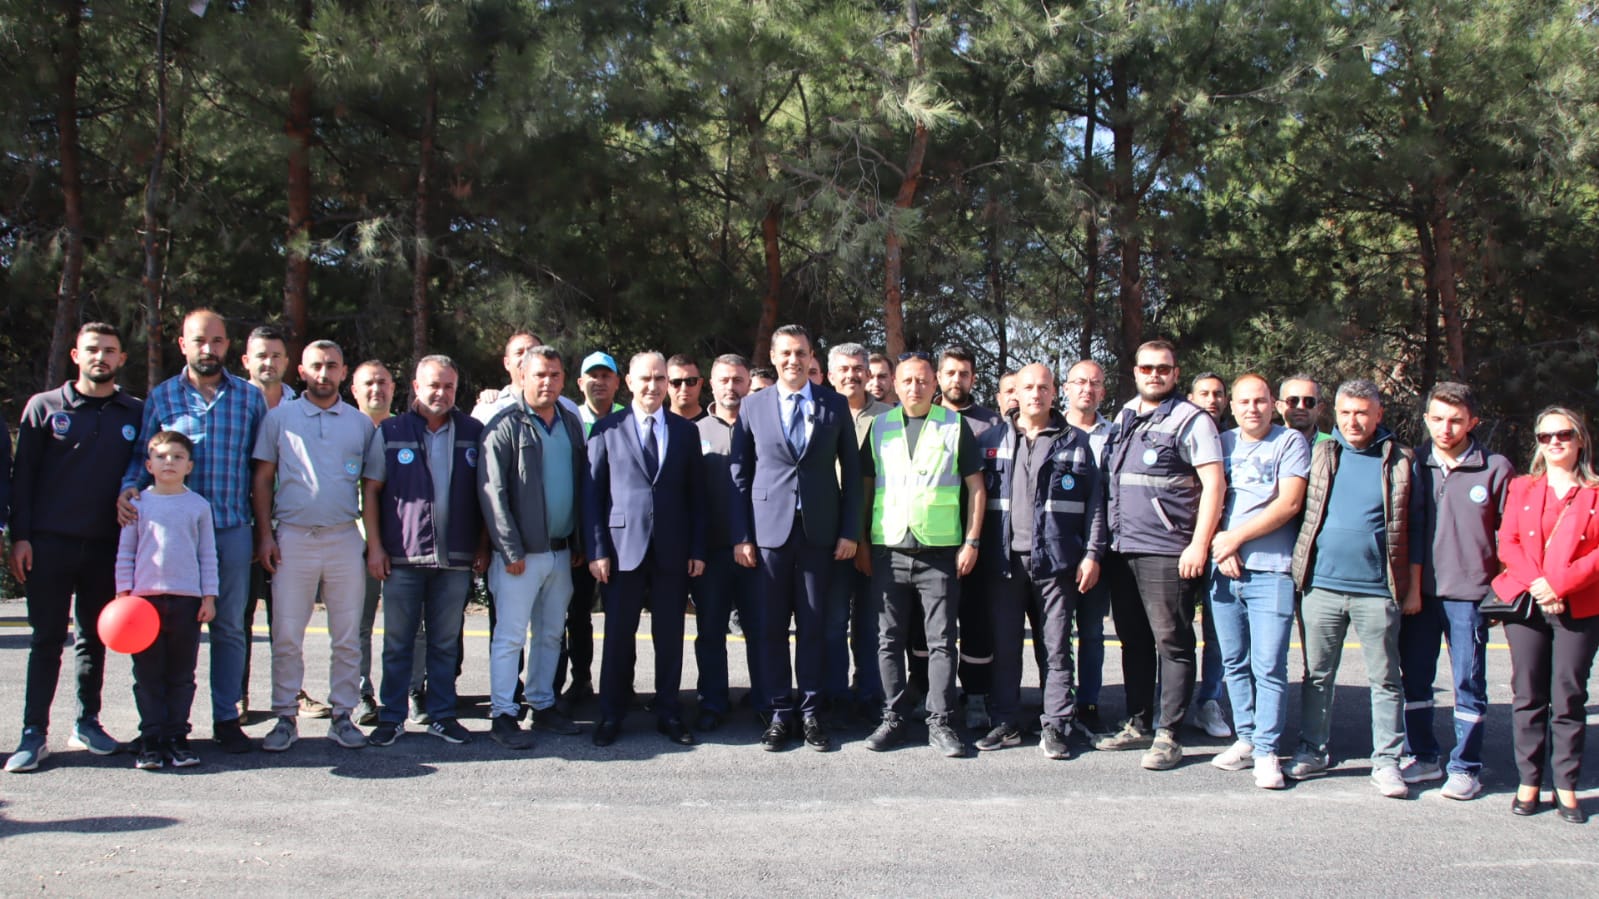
[(420, 307), (297, 274), (1429, 315), (66, 321), (893, 296), (1090, 320), (771, 229), (1130, 282), (1444, 278), (153, 280)]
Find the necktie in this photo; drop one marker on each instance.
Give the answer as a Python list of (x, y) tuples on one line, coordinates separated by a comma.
[(796, 425), (652, 462)]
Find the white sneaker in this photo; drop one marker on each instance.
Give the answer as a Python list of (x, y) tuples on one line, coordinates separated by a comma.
[(1416, 771), (1462, 785), (1236, 757), (1269, 773), (977, 712), (1390, 782), (1212, 721)]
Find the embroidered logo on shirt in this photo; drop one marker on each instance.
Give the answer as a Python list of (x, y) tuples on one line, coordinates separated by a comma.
[(352, 467), (471, 457), (1479, 494), (405, 456), (1151, 457), (129, 432), (60, 422), (1067, 482)]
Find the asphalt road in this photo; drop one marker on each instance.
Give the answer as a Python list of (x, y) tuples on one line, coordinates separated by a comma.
[(645, 817)]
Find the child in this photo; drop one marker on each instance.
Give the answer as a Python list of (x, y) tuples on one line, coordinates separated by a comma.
[(168, 555)]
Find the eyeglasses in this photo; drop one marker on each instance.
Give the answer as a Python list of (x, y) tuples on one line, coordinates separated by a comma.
[(915, 355), (1163, 369), (1564, 435), (1084, 382), (684, 382), (1303, 402)]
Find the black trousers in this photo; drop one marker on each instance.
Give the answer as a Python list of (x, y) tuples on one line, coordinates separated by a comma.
[(898, 580), (163, 675), (665, 592), (577, 644), (1550, 658), (1154, 613), (67, 569), (792, 582), (1010, 602), (976, 636)]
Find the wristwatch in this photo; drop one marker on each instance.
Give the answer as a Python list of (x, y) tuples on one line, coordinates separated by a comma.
[(974, 544)]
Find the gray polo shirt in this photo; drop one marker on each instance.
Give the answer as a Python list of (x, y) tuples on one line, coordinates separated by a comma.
[(320, 455), (439, 449)]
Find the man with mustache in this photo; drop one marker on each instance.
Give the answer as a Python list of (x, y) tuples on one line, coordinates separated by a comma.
[(74, 444)]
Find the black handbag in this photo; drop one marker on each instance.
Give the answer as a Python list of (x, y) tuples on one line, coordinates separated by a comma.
[(1519, 610)]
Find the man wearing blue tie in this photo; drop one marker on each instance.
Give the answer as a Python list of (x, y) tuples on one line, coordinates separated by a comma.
[(646, 538), (797, 509)]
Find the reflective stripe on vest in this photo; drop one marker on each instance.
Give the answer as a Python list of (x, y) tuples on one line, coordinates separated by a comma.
[(919, 493)]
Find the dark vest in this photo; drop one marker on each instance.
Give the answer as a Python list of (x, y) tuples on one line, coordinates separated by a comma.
[(407, 514), (1064, 500), (1154, 493)]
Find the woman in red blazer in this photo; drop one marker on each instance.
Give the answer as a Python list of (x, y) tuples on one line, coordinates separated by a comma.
[(1547, 543)]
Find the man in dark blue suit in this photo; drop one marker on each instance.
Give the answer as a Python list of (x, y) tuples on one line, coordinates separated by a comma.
[(646, 538), (798, 509)]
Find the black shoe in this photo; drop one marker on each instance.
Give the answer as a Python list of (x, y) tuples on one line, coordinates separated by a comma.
[(943, 738), (506, 732), (179, 753), (1001, 736), (1524, 808), (147, 754), (383, 735), (606, 732), (707, 721), (231, 737), (1572, 814), (1052, 743), (673, 729), (553, 721), (366, 711), (890, 733), (1088, 721), (816, 735), (776, 737), (450, 731)]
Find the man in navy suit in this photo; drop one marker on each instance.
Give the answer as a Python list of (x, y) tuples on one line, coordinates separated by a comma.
[(796, 464), (646, 538)]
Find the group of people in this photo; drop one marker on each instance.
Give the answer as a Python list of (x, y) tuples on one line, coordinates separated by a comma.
[(910, 535)]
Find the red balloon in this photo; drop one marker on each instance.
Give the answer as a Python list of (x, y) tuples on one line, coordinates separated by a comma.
[(129, 624)]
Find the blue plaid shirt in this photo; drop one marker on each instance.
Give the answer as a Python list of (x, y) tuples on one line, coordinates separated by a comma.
[(223, 432)]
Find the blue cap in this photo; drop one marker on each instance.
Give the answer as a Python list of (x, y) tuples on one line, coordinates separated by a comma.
[(594, 360)]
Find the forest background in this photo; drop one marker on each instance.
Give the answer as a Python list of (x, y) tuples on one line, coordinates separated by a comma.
[(1407, 191)]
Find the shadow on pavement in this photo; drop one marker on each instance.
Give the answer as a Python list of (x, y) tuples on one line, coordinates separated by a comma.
[(106, 824)]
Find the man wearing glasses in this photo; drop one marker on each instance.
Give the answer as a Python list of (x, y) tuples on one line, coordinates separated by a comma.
[(1166, 494), (1085, 391), (683, 384), (1300, 407)]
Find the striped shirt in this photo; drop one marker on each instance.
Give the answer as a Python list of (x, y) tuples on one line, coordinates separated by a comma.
[(223, 431)]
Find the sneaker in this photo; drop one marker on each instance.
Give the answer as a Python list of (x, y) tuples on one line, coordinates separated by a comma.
[(1165, 753), (344, 732), (1001, 736), (977, 712), (283, 735), (1307, 763), (231, 737), (1213, 721), (1236, 757), (1132, 735), (30, 752), (312, 708), (890, 733), (1269, 773), (552, 720), (506, 732), (383, 735), (1052, 743), (179, 753), (418, 711), (1417, 771), (943, 738), (1390, 782), (366, 711), (1088, 721), (450, 731), (1461, 785), (147, 754), (88, 734)]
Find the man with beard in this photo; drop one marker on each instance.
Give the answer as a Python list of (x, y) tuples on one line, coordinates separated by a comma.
[(1209, 392), (684, 384), (880, 380), (724, 585), (1299, 403), (220, 413), (1166, 492), (73, 446), (1005, 398), (311, 453), (957, 367)]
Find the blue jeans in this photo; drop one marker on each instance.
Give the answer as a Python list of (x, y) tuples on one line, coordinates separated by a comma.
[(1254, 617), (725, 585), (1092, 607), (234, 549), (852, 637), (413, 597), (1457, 622), (537, 597)]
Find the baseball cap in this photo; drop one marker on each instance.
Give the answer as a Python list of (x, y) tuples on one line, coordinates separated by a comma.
[(595, 360)]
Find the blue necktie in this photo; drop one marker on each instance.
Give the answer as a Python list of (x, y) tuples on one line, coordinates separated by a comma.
[(652, 462), (796, 425)]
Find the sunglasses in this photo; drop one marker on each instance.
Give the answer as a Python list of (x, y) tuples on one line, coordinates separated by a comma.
[(684, 382), (1564, 435), (1302, 402), (1163, 369)]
